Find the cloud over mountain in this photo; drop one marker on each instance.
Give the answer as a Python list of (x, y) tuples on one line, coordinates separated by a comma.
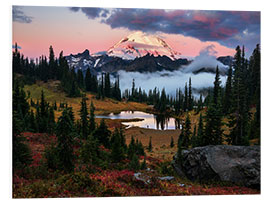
[(204, 25)]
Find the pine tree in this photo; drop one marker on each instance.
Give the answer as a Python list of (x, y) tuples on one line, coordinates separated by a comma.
[(65, 135), (74, 90), (217, 88), (239, 118), (133, 90), (201, 139), (52, 64), (102, 134), (194, 140), (180, 145), (92, 123), (123, 140), (55, 106), (185, 106), (42, 114), (116, 90), (200, 104), (117, 152), (32, 122), (227, 102), (172, 143), (90, 151), (88, 80), (163, 101), (107, 87), (80, 79), (84, 119), (143, 165), (213, 129), (187, 132), (51, 121), (255, 70), (255, 126), (190, 100), (134, 163), (21, 153), (131, 148)]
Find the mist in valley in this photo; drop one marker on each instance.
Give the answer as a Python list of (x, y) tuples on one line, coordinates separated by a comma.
[(177, 79)]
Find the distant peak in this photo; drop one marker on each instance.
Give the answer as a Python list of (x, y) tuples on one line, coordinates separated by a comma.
[(138, 44), (86, 51)]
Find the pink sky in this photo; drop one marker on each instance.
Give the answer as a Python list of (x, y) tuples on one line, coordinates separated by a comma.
[(74, 32)]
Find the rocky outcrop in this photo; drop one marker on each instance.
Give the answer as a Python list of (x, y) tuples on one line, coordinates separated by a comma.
[(237, 164)]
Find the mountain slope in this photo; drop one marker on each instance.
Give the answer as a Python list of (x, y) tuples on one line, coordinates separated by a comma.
[(139, 44)]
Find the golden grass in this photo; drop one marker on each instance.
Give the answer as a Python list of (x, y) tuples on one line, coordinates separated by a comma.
[(53, 93), (160, 139)]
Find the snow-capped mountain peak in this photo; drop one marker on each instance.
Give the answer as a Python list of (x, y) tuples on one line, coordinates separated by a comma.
[(139, 44)]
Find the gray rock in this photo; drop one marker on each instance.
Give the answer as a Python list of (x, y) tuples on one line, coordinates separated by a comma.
[(168, 178), (237, 164)]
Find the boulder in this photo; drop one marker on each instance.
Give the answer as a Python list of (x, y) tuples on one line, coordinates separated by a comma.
[(237, 164)]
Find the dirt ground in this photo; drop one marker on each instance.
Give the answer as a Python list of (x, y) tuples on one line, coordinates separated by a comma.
[(160, 139)]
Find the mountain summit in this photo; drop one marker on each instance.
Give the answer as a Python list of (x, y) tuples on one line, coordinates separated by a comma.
[(139, 44)]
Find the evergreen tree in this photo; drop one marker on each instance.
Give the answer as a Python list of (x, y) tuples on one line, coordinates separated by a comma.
[(200, 104), (21, 153), (88, 80), (42, 114), (92, 123), (213, 129), (227, 102), (90, 151), (131, 148), (217, 88), (255, 70), (255, 126), (103, 134), (172, 143), (194, 140), (51, 121), (143, 165), (55, 106), (133, 90), (52, 64), (180, 145), (65, 135), (116, 90), (80, 79), (84, 119), (123, 140), (32, 122), (185, 106), (201, 139), (239, 118), (163, 101), (187, 132), (74, 90), (190, 100), (117, 152), (134, 163), (107, 87)]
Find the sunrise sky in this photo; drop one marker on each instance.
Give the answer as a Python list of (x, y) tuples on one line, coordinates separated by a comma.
[(75, 29)]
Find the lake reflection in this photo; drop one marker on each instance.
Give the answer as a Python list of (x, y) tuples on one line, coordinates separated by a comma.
[(151, 121)]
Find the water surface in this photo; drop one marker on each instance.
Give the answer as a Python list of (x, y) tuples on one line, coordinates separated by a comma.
[(151, 121)]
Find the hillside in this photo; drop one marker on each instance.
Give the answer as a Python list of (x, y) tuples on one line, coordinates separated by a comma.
[(53, 93)]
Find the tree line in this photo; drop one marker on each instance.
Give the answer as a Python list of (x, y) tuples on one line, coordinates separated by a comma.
[(74, 83), (235, 101), (99, 147)]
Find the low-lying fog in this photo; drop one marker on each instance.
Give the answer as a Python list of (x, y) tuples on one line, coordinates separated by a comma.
[(177, 79)]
